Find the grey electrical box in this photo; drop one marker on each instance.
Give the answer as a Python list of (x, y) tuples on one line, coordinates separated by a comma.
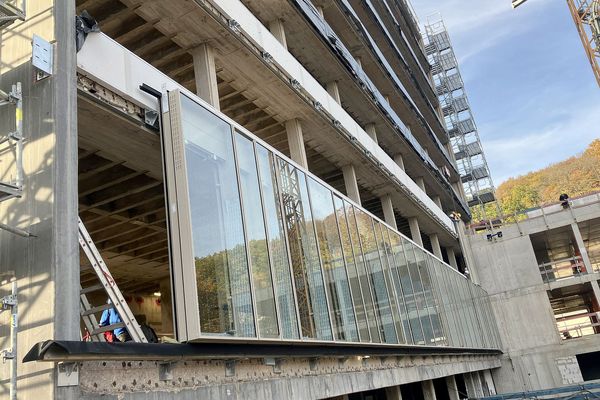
[(68, 374), (42, 55)]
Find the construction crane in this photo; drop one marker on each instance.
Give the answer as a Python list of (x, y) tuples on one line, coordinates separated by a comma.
[(586, 15)]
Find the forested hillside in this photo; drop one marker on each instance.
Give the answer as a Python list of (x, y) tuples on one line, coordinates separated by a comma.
[(575, 176)]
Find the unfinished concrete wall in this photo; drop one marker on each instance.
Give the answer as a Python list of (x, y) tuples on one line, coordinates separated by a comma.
[(535, 355), (46, 266)]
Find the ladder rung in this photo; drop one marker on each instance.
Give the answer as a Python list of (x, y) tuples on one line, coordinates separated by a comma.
[(107, 328), (91, 289), (97, 309)]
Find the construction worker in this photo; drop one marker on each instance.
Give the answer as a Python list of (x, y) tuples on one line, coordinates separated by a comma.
[(112, 317)]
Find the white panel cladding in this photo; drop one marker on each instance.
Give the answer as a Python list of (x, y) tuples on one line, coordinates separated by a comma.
[(115, 67)]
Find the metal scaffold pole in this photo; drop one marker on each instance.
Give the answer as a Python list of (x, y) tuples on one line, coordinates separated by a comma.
[(10, 302)]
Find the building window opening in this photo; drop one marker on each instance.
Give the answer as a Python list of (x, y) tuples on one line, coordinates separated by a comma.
[(122, 206), (576, 311)]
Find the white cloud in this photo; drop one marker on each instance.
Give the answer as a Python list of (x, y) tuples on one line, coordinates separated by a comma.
[(478, 25), (530, 151)]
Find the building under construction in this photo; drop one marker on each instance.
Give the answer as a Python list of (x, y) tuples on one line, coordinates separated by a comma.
[(263, 192)]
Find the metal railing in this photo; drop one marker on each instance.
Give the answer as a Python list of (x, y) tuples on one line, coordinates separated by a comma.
[(570, 329), (562, 269), (542, 210)]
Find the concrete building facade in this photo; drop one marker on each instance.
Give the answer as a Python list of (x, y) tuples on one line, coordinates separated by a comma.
[(268, 184), (542, 276)]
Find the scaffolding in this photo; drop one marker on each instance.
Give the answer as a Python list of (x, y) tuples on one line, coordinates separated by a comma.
[(460, 124), (10, 11), (13, 138)]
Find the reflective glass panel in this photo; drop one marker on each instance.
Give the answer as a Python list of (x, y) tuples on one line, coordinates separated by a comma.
[(430, 297), (334, 268), (277, 244), (266, 314), (385, 252), (364, 276), (348, 254), (398, 264), (410, 284), (308, 278), (377, 280), (219, 252), (419, 286)]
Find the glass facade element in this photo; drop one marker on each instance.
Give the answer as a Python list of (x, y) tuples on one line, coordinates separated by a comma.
[(276, 254)]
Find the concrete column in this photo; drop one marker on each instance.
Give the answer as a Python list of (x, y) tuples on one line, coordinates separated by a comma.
[(398, 159), (484, 385), (421, 183), (415, 231), (437, 201), (435, 245), (332, 89), (428, 390), (205, 74), (370, 129), (295, 138), (166, 306), (477, 384), (393, 393), (490, 382), (388, 211), (470, 385), (452, 257), (452, 388), (581, 245), (351, 183), (277, 29)]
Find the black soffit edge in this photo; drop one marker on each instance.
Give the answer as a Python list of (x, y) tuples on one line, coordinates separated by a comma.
[(56, 350)]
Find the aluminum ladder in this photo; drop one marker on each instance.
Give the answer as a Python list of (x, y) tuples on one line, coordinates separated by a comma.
[(107, 284)]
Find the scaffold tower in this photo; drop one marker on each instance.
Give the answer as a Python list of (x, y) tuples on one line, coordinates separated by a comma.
[(460, 124)]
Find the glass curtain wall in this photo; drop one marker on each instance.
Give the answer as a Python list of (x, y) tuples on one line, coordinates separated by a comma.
[(277, 254)]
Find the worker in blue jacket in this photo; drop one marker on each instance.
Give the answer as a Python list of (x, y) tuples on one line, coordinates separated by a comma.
[(112, 317)]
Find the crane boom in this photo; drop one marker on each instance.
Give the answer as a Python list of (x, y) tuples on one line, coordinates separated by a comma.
[(586, 15)]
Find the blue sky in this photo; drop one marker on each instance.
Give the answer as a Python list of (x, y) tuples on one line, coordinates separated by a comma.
[(531, 88)]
